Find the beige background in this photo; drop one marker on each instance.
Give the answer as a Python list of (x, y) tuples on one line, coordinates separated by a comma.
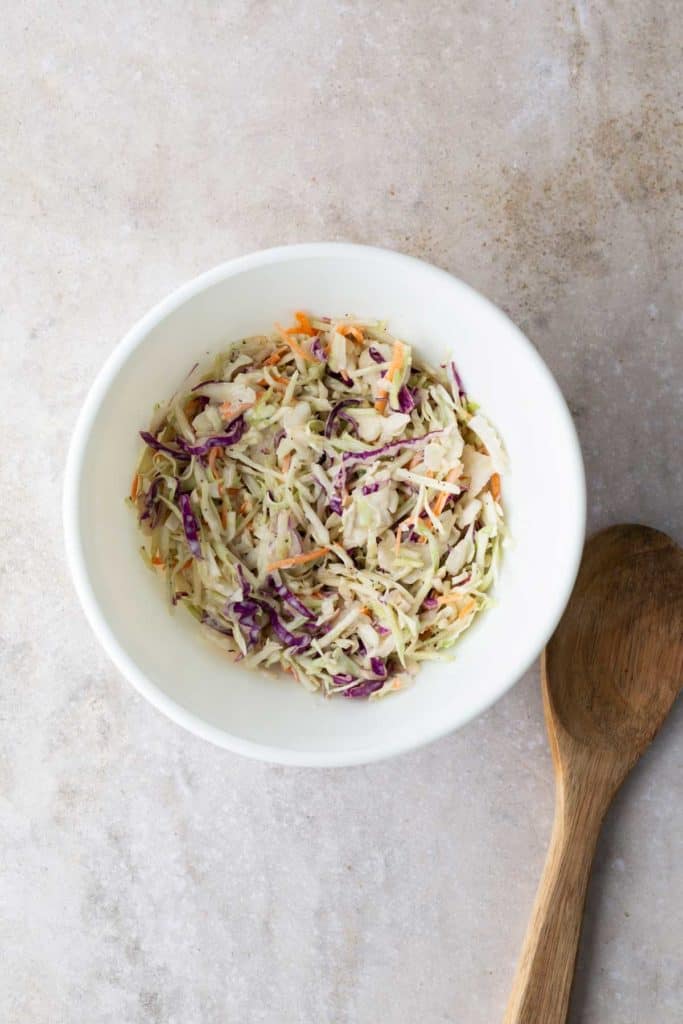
[(529, 147)]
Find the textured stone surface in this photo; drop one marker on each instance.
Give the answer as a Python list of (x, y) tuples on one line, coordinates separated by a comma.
[(529, 148)]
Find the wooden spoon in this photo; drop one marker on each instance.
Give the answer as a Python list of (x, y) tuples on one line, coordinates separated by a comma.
[(610, 675)]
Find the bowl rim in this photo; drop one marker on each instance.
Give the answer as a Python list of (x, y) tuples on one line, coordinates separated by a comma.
[(78, 566)]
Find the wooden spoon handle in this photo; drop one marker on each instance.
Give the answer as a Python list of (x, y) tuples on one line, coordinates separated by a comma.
[(540, 993)]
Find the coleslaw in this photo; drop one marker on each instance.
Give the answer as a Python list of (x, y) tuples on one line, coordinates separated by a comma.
[(323, 501)]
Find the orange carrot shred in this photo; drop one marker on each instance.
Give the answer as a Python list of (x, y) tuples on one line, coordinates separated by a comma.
[(495, 486), (274, 358), (230, 412), (213, 455), (158, 560), (302, 326), (135, 487), (350, 330), (440, 503), (287, 563), (394, 366), (294, 345)]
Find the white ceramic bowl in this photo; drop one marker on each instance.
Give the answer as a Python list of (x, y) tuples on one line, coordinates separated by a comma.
[(164, 656)]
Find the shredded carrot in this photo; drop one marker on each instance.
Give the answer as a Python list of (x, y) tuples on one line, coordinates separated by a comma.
[(466, 608), (185, 565), (135, 487), (440, 503), (286, 462), (274, 358), (244, 507), (287, 563), (415, 461), (366, 611), (229, 412), (283, 381), (449, 599), (394, 367), (495, 486), (158, 560), (295, 346), (224, 518), (350, 330), (213, 455), (302, 325)]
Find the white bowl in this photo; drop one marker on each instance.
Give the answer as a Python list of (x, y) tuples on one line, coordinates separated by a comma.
[(164, 656)]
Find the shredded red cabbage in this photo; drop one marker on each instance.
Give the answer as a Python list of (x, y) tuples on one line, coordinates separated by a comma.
[(392, 446), (373, 487), (317, 350), (247, 614), (232, 435), (152, 442), (375, 354), (406, 401), (246, 589), (291, 599), (150, 509), (299, 643), (365, 688), (336, 411), (457, 380), (378, 667), (343, 678), (337, 376), (190, 525)]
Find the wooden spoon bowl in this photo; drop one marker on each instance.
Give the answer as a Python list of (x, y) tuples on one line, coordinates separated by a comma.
[(610, 675)]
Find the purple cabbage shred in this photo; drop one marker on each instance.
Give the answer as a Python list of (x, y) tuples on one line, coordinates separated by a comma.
[(458, 381), (299, 643), (364, 689), (232, 435), (152, 442), (406, 401), (378, 667), (317, 350), (392, 446), (286, 595), (337, 411), (189, 525), (343, 678)]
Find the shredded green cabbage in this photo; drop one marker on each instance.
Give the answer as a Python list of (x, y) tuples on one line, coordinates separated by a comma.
[(323, 501)]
